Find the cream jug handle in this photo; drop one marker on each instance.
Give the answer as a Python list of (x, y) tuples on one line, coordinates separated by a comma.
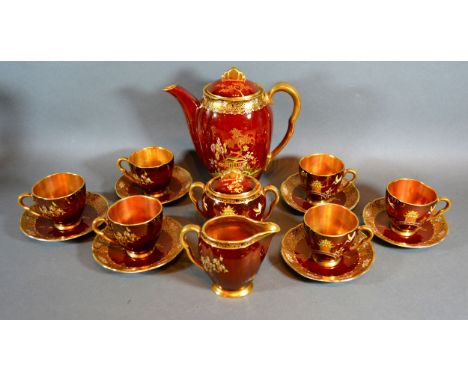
[(291, 90)]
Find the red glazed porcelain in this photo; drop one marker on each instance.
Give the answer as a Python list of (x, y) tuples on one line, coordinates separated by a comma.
[(234, 193), (230, 250), (231, 127)]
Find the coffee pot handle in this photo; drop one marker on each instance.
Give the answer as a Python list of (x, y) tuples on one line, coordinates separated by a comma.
[(291, 90), (193, 197), (274, 202), (188, 228), (25, 195)]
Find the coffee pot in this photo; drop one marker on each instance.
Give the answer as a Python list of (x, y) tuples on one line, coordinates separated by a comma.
[(231, 126)]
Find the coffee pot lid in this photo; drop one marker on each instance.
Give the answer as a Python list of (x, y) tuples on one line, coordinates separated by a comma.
[(233, 83)]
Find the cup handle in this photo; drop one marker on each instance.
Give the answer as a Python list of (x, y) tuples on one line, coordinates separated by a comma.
[(23, 196), (444, 209), (274, 202), (291, 90), (369, 235), (193, 197), (188, 228), (348, 182), (96, 223), (122, 169)]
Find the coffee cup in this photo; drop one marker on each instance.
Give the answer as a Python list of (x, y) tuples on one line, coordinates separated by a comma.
[(59, 197), (323, 176), (150, 167), (410, 203), (135, 223), (331, 231)]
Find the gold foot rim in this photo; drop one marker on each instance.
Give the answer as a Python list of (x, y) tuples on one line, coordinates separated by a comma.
[(405, 234), (139, 255), (157, 194), (62, 227), (244, 291), (328, 263)]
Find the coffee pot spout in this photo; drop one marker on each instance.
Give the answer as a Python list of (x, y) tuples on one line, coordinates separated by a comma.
[(189, 105)]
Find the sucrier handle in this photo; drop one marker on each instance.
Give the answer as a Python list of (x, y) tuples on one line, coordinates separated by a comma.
[(188, 228), (291, 90), (193, 197), (274, 202)]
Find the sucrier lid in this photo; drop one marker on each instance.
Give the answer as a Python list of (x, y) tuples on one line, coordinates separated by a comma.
[(233, 83), (233, 183)]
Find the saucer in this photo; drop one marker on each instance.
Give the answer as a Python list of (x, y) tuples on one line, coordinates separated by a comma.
[(431, 233), (113, 257), (178, 187), (298, 255), (294, 195), (42, 229)]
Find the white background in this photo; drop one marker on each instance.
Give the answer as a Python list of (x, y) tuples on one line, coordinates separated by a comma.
[(211, 30)]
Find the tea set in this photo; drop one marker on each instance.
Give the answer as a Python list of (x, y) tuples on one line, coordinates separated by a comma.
[(231, 128)]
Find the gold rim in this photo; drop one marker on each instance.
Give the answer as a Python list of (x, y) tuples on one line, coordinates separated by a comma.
[(339, 206), (136, 196), (415, 180), (170, 87), (249, 97), (290, 201), (60, 197), (235, 108), (369, 220), (270, 229), (28, 216), (177, 249), (367, 249), (147, 148), (327, 154)]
